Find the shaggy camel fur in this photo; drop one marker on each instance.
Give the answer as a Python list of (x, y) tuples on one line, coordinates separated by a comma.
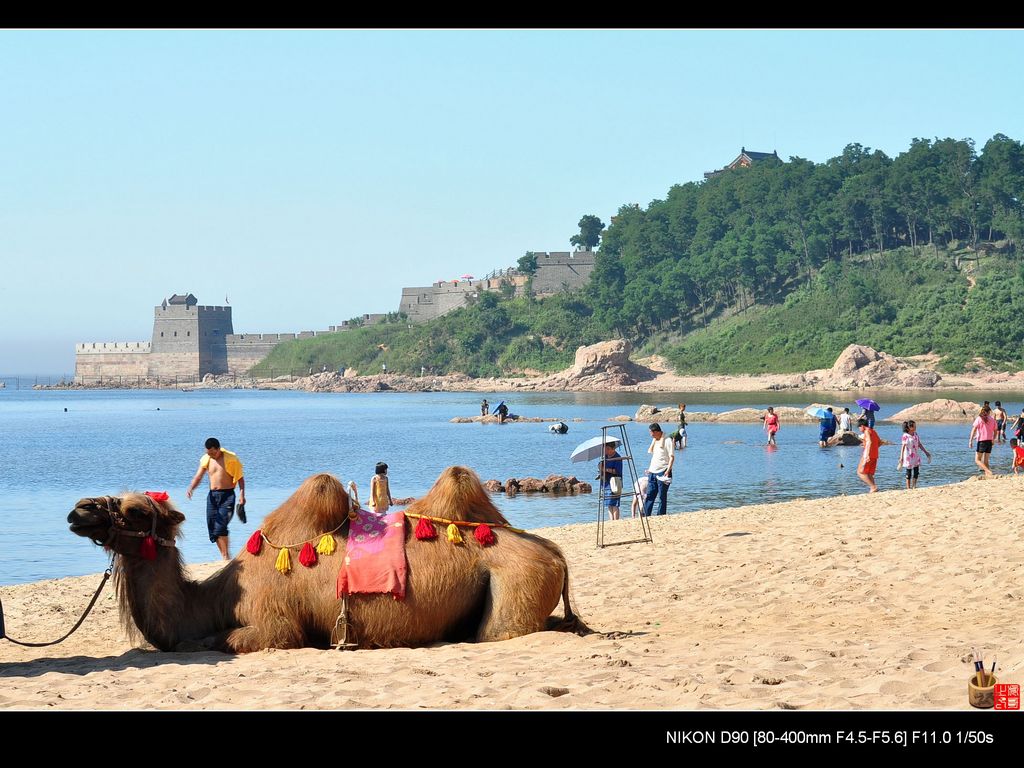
[(454, 593)]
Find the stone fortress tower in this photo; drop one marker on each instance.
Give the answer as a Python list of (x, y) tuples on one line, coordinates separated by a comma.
[(188, 340), (188, 337)]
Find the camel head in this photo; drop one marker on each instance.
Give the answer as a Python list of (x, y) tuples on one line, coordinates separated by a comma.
[(121, 523)]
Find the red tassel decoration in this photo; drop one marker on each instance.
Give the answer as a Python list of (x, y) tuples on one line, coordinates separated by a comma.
[(255, 542), (308, 555), (425, 530), (484, 534), (147, 551), (158, 495)]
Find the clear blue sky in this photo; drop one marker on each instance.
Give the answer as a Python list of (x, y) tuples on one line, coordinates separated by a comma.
[(309, 176)]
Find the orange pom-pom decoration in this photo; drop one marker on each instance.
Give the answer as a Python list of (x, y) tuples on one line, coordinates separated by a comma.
[(425, 529), (308, 555), (255, 542), (147, 550), (485, 535)]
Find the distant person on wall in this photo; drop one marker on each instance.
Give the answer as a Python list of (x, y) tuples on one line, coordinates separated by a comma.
[(911, 449), (659, 472), (771, 425), (1001, 417), (380, 490), (225, 472), (611, 479), (984, 428), (384, 367), (484, 407), (869, 455)]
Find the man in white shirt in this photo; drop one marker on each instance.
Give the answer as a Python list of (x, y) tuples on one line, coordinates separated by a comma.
[(659, 473), (845, 423)]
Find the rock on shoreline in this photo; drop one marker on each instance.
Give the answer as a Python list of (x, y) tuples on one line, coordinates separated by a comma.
[(606, 367)]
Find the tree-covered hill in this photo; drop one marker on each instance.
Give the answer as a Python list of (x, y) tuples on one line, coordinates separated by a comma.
[(775, 267)]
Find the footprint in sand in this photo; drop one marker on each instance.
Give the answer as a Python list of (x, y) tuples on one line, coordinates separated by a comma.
[(940, 666), (898, 688)]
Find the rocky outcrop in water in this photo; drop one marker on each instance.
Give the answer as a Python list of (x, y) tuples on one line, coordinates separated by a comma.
[(557, 484), (940, 410)]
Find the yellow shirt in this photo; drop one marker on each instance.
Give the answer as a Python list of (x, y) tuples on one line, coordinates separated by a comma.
[(380, 497), (232, 465)]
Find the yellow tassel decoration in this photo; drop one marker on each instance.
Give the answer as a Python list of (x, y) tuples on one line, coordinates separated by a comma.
[(326, 545), (284, 561), (453, 534)]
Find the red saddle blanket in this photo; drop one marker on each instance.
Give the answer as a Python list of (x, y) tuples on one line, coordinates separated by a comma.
[(374, 555)]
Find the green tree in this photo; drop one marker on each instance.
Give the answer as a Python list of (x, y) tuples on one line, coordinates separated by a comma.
[(590, 233), (527, 264)]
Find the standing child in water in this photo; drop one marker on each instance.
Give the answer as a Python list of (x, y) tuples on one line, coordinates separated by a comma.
[(771, 424), (910, 453), (1018, 455), (380, 490)]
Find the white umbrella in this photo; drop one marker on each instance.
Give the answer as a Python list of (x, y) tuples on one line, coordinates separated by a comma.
[(592, 449)]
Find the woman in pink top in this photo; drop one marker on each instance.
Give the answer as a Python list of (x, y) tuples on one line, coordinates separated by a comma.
[(984, 428)]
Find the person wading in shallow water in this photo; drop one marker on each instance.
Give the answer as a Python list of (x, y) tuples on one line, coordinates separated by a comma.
[(984, 428), (225, 471), (771, 425), (869, 457)]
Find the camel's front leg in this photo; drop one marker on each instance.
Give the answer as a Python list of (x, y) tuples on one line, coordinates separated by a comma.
[(280, 634)]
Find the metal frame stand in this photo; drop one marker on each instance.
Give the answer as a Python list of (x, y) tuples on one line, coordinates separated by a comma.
[(627, 461)]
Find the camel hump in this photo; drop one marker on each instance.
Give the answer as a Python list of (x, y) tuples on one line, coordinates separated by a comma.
[(319, 505), (458, 494)]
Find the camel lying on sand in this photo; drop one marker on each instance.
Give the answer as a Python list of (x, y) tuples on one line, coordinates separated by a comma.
[(453, 593)]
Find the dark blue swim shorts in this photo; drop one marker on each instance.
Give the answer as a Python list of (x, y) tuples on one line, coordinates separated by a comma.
[(220, 508)]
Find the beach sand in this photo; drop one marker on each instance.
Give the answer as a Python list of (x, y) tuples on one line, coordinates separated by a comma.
[(847, 603)]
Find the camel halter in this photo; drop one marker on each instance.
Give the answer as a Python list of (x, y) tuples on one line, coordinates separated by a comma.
[(117, 528), (118, 525)]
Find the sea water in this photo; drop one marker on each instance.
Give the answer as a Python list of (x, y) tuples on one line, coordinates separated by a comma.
[(107, 442)]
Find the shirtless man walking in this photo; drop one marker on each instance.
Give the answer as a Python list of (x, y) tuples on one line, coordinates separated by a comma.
[(225, 471)]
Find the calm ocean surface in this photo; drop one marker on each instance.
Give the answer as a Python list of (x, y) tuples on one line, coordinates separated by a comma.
[(111, 441)]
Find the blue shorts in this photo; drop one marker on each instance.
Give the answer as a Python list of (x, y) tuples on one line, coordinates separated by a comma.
[(220, 508), (611, 500)]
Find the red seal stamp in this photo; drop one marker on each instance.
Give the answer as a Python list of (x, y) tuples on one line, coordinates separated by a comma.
[(1006, 696)]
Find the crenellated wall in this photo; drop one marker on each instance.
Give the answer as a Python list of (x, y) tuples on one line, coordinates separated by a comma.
[(562, 271), (190, 339)]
